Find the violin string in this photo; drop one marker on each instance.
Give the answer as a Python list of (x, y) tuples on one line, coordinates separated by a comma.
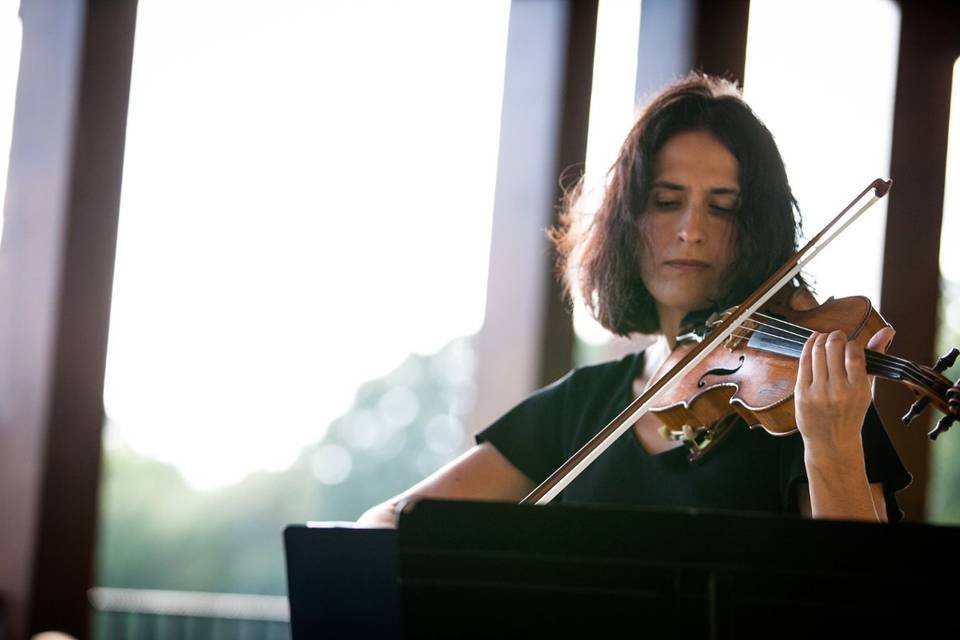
[(876, 363), (877, 366), (899, 364), (881, 364), (804, 333), (795, 347)]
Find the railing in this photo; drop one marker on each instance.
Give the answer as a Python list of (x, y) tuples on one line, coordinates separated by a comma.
[(146, 614)]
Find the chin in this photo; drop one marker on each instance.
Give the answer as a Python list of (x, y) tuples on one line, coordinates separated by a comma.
[(689, 305)]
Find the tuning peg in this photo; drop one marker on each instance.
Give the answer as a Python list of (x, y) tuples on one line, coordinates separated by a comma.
[(946, 361), (942, 426), (915, 409)]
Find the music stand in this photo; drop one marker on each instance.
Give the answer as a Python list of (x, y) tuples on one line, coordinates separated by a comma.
[(480, 569)]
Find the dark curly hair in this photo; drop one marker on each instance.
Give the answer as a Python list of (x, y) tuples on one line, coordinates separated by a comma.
[(602, 260)]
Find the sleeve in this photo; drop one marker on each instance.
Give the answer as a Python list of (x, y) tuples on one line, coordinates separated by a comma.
[(530, 434), (882, 461)]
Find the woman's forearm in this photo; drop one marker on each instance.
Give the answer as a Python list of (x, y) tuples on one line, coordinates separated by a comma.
[(839, 488)]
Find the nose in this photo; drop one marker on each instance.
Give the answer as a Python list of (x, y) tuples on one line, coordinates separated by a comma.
[(692, 224)]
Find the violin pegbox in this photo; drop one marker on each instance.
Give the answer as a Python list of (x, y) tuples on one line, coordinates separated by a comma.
[(951, 398)]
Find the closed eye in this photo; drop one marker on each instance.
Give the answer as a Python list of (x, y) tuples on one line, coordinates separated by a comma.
[(666, 204)]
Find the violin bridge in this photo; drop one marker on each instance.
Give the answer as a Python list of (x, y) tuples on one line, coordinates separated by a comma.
[(740, 337), (733, 342)]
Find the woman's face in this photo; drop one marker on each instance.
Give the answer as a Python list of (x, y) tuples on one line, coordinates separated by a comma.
[(688, 227)]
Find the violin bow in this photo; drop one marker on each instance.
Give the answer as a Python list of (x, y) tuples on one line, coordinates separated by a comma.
[(574, 466)]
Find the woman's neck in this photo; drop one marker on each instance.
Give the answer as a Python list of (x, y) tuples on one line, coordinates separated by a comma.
[(670, 320)]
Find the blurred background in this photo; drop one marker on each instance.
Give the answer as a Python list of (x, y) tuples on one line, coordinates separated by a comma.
[(273, 262)]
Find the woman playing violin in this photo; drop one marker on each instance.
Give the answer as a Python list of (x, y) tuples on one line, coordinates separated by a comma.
[(696, 213)]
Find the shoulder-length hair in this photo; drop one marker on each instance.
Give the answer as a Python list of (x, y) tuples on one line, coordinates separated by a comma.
[(601, 259)]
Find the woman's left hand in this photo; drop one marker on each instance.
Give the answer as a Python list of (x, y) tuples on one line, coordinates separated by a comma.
[(832, 395), (833, 392)]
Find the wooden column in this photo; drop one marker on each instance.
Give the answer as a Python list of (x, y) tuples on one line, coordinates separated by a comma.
[(679, 36), (56, 274), (929, 45), (720, 37), (558, 336), (30, 268), (527, 336)]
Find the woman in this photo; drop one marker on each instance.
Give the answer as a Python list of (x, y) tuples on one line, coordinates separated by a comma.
[(696, 214)]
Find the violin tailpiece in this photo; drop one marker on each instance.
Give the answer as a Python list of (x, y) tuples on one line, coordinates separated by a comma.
[(706, 438)]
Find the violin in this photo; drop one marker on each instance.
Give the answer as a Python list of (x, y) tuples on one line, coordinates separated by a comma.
[(769, 390), (752, 374)]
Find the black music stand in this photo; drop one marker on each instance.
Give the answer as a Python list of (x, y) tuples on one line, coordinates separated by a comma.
[(472, 569), (342, 581)]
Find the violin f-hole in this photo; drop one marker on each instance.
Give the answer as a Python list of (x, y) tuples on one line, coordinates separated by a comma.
[(719, 372)]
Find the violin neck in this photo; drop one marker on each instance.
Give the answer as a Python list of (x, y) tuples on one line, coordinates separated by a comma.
[(788, 340)]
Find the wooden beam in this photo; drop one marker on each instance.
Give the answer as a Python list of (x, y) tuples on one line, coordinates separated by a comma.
[(56, 273), (910, 293), (30, 267), (679, 36), (526, 335), (720, 37), (557, 343)]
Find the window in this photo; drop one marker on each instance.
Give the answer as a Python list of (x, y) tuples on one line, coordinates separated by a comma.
[(10, 41), (830, 108), (301, 263), (612, 113)]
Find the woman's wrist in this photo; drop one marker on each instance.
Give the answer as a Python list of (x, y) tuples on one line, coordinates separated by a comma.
[(834, 457)]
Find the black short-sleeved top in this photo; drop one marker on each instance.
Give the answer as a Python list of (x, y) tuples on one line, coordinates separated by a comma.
[(747, 470)]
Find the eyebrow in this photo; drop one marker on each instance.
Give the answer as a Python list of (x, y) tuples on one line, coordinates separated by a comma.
[(673, 186)]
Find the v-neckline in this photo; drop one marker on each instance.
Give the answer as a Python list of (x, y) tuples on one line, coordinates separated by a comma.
[(635, 369)]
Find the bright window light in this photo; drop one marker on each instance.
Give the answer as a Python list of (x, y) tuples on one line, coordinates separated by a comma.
[(612, 112), (10, 42), (950, 231), (825, 88), (307, 199)]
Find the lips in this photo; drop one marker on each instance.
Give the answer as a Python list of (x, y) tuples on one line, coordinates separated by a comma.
[(687, 264)]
